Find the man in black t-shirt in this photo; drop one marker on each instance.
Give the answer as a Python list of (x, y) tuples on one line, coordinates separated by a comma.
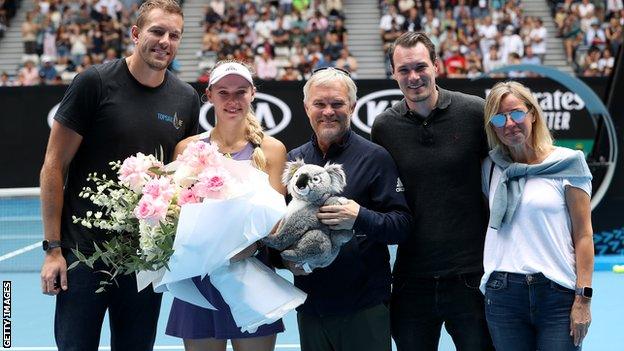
[(438, 141), (108, 113)]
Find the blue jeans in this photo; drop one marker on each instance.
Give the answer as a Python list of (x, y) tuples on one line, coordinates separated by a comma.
[(419, 306), (80, 311), (528, 312)]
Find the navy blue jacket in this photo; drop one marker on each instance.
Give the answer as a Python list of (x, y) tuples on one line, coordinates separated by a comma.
[(360, 275)]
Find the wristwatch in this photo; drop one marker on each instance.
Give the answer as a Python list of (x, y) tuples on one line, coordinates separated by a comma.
[(585, 292), (50, 244)]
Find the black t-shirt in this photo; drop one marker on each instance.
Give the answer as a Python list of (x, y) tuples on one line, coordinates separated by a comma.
[(118, 117)]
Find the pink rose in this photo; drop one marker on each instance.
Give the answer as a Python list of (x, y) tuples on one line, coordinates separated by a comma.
[(151, 210), (159, 187), (198, 155), (211, 183), (187, 196), (134, 171)]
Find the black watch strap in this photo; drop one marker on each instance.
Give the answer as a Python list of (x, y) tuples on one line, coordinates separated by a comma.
[(50, 244), (585, 292)]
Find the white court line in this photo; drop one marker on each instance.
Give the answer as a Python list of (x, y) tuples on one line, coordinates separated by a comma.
[(20, 251), (52, 348), (8, 192), (20, 219)]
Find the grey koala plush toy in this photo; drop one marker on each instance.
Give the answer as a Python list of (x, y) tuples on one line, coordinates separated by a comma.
[(302, 237)]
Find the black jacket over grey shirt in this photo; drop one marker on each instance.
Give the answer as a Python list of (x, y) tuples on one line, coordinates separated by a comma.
[(439, 160), (360, 275)]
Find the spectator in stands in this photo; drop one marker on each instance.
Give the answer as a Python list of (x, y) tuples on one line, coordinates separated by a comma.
[(538, 37), (492, 60), (586, 11), (390, 20), (347, 62), (289, 73), (429, 22), (5, 81), (279, 35), (461, 10), (333, 47), (614, 34), (455, 64), (514, 59), (481, 10), (266, 67), (589, 66), (413, 21), (30, 73), (510, 42), (319, 21), (529, 58), (339, 29), (606, 63), (487, 34), (614, 6), (47, 71), (29, 34), (595, 35), (210, 18), (572, 36)]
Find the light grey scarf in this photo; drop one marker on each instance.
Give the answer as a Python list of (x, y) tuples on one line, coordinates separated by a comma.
[(512, 180)]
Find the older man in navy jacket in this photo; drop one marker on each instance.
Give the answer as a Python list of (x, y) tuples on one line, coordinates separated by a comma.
[(346, 308)]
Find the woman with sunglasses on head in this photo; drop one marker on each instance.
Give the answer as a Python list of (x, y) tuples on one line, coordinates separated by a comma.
[(539, 251), (239, 136)]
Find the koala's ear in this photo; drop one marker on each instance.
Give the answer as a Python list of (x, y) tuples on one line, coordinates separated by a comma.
[(290, 169), (337, 176)]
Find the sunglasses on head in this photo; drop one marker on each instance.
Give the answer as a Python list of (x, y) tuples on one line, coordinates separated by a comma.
[(332, 68), (500, 119)]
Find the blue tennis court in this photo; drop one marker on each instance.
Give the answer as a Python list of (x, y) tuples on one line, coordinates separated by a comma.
[(33, 313)]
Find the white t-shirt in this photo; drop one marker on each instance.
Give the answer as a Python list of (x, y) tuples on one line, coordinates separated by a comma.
[(539, 238)]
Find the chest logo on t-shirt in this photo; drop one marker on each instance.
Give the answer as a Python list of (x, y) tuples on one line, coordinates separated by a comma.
[(399, 187), (177, 123)]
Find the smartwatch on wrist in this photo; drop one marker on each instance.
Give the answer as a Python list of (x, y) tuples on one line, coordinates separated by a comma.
[(47, 245), (585, 292)]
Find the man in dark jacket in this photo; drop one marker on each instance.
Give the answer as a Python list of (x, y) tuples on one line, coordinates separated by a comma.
[(346, 308)]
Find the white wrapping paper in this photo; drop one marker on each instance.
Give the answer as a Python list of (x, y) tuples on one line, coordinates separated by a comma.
[(255, 294), (210, 233)]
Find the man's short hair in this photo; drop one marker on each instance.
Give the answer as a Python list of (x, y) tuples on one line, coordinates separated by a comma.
[(410, 40), (169, 6), (327, 76)]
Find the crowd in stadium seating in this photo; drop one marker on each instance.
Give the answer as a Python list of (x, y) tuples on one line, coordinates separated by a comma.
[(64, 37), (285, 42), (472, 37), (476, 36), (592, 33), (288, 39)]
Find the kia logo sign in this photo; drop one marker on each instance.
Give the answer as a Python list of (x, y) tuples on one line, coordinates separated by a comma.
[(272, 113), (370, 106)]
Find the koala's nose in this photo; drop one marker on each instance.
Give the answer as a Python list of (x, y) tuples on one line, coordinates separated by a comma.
[(302, 181)]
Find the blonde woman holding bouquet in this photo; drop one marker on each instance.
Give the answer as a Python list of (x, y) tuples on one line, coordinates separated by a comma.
[(239, 136)]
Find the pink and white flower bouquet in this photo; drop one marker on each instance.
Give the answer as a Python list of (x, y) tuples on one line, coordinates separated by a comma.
[(188, 218), (143, 205)]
